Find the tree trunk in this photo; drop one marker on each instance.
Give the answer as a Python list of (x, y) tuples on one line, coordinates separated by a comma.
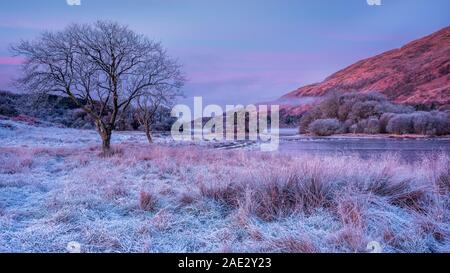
[(105, 134), (106, 144), (148, 133)]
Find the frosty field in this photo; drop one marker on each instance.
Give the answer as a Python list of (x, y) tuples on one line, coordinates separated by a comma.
[(55, 188)]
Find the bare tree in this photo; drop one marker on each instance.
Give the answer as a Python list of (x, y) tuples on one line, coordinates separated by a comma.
[(152, 101), (103, 67)]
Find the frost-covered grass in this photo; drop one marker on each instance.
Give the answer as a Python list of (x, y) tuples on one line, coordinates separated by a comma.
[(13, 134), (158, 198)]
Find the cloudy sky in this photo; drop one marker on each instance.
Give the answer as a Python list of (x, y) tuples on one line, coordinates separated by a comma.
[(240, 51)]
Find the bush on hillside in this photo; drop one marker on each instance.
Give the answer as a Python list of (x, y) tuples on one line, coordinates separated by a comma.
[(308, 118), (325, 127), (366, 126), (400, 124), (426, 123), (373, 113)]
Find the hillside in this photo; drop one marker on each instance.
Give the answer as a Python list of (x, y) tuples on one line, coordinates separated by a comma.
[(415, 74)]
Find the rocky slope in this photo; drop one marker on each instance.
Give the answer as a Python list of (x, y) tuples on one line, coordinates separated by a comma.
[(417, 73)]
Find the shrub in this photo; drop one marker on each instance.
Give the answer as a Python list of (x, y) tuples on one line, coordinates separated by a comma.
[(308, 118), (354, 129), (8, 110), (372, 126), (384, 121), (400, 124), (423, 123), (366, 126), (7, 107), (324, 127), (329, 107), (344, 110), (363, 110), (441, 123)]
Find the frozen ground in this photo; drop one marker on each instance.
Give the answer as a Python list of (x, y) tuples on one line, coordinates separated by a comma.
[(55, 188), (16, 134)]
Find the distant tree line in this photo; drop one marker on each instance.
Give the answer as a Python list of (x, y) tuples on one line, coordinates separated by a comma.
[(62, 111), (371, 113)]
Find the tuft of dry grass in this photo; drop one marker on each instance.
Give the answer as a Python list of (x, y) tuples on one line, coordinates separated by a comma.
[(443, 182), (293, 244), (187, 198), (147, 201), (350, 210), (349, 239)]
